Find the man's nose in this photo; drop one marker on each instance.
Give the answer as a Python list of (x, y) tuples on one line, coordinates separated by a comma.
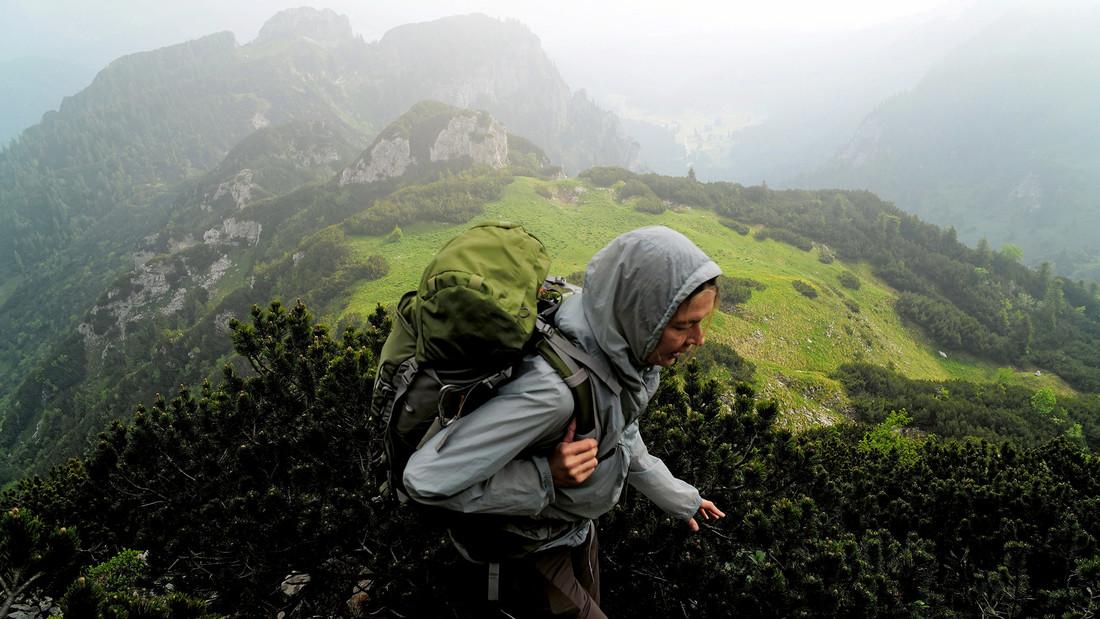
[(695, 336)]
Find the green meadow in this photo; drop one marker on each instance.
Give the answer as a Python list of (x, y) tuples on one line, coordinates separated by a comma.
[(795, 341)]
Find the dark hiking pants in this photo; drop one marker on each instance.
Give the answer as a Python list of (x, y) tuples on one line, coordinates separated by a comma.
[(560, 582)]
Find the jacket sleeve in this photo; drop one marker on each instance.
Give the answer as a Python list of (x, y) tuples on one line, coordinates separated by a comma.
[(478, 464), (652, 478)]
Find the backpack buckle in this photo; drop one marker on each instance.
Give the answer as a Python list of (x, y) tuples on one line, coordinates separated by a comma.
[(452, 398)]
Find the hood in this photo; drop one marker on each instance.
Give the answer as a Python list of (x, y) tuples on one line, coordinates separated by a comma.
[(634, 285)]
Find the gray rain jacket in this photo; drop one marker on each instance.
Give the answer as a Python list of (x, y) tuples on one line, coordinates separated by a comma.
[(495, 460)]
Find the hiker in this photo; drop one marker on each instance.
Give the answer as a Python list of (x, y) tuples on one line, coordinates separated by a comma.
[(645, 298)]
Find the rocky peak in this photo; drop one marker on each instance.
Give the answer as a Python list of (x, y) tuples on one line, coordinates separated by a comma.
[(431, 132), (324, 26)]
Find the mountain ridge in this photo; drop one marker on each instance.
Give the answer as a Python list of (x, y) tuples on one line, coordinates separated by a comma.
[(85, 193), (996, 140)]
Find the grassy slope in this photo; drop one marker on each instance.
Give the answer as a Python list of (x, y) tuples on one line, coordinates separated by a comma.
[(795, 341)]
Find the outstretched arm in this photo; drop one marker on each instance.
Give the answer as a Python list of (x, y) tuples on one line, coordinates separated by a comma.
[(650, 476)]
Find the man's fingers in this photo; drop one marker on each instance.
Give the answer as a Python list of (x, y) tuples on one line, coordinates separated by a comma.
[(574, 461), (708, 509), (582, 460), (570, 431), (579, 447)]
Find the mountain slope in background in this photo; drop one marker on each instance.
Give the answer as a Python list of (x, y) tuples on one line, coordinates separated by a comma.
[(747, 106), (262, 224), (165, 146), (999, 140), (159, 117)]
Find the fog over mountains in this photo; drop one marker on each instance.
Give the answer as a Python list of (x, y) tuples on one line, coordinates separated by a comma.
[(999, 139), (898, 424), (785, 107)]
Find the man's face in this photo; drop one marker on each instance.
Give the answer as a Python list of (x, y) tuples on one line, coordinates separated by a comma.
[(684, 330)]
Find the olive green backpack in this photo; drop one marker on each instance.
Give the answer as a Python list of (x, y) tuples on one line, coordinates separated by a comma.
[(482, 304)]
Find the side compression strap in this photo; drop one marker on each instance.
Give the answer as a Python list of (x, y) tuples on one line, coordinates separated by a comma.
[(494, 582)]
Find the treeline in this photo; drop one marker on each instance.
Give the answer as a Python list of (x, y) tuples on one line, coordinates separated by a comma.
[(978, 300), (962, 410), (277, 470), (454, 198)]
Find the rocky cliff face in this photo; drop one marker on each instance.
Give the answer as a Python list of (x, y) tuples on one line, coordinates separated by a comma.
[(476, 135), (474, 61), (387, 158)]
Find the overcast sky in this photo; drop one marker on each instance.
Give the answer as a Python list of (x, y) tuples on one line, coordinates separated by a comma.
[(100, 30)]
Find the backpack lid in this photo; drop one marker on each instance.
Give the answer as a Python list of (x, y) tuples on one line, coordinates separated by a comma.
[(477, 301)]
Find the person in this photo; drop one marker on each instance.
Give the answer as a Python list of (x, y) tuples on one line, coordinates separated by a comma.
[(645, 298)]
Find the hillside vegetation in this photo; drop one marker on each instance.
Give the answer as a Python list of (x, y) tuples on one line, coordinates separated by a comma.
[(916, 485), (278, 471), (795, 342)]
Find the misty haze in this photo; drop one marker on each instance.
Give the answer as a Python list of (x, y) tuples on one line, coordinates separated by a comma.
[(209, 216)]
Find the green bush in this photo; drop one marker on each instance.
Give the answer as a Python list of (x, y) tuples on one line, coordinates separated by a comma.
[(649, 204), (634, 188), (607, 176), (737, 227), (849, 280), (713, 355), (804, 289), (789, 237), (120, 573), (734, 291)]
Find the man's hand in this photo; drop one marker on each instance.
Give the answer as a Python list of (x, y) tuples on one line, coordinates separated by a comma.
[(707, 511), (572, 462)]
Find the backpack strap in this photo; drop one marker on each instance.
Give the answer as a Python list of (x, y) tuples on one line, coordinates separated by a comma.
[(494, 582), (574, 366), (393, 393), (565, 348)]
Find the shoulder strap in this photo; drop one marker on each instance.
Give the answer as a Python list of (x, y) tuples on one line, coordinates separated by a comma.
[(574, 365), (565, 348)]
